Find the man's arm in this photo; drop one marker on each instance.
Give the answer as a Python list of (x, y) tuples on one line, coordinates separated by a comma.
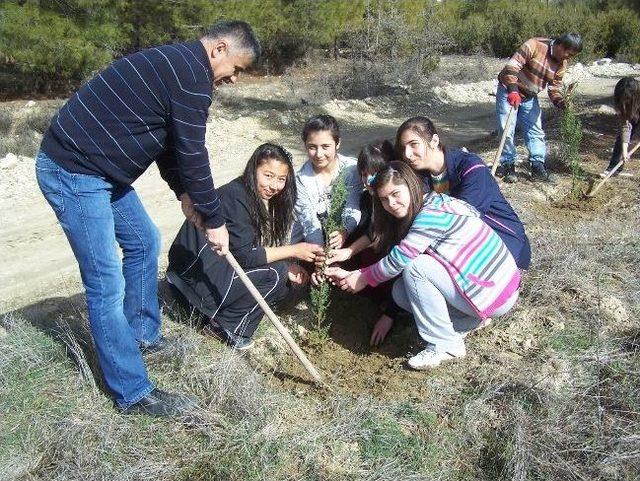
[(189, 111), (509, 74), (555, 87), (168, 168)]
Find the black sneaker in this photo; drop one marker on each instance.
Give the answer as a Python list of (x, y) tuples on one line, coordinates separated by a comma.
[(163, 404), (239, 343), (509, 175), (540, 174)]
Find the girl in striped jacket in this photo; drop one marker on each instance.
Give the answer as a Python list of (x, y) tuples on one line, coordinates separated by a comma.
[(454, 270)]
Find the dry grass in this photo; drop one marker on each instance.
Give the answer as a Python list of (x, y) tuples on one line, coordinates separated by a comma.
[(552, 392)]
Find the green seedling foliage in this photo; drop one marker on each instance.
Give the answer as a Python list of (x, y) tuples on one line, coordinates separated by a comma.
[(571, 132), (332, 221)]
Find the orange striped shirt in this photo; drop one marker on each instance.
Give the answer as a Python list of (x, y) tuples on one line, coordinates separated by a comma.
[(532, 68)]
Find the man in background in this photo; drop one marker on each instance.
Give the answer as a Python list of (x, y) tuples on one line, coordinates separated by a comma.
[(538, 64)]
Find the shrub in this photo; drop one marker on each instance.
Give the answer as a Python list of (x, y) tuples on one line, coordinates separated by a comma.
[(616, 32), (45, 52), (571, 133), (390, 52)]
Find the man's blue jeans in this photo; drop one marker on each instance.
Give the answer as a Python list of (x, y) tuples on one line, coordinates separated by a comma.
[(122, 296), (529, 118)]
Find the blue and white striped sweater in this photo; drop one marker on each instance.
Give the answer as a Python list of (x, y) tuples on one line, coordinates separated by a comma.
[(151, 106)]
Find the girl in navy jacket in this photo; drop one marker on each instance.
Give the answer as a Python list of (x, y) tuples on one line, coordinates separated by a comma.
[(465, 176)]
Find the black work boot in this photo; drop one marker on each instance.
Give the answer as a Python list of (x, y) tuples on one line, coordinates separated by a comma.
[(540, 174), (510, 174), (161, 345), (163, 404)]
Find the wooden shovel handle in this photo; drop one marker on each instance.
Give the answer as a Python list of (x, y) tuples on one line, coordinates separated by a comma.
[(611, 172), (273, 318), (505, 132)]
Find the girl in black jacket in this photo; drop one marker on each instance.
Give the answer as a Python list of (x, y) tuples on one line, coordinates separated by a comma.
[(258, 211)]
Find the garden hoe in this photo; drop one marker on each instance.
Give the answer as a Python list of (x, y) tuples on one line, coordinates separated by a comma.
[(274, 319), (507, 124), (613, 171)]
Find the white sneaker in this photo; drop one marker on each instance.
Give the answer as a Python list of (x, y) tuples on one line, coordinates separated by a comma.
[(429, 358), (623, 173)]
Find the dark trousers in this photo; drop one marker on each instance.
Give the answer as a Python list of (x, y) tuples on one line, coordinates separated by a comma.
[(238, 312), (617, 148)]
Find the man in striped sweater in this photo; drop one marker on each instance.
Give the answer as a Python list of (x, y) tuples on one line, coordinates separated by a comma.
[(539, 63), (151, 106)]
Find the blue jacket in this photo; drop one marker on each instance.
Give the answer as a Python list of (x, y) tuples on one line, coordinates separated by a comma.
[(471, 180)]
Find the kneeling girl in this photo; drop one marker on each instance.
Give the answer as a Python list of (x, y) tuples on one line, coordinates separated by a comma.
[(258, 211), (455, 270)]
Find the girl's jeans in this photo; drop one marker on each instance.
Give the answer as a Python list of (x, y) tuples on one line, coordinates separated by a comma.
[(529, 118), (96, 215)]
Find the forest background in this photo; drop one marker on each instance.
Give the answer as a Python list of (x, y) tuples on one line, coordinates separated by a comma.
[(50, 47)]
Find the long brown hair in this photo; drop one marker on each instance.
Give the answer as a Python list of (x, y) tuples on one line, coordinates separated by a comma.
[(422, 126), (626, 97), (387, 229)]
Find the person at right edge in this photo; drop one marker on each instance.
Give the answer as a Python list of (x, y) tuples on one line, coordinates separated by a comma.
[(539, 63)]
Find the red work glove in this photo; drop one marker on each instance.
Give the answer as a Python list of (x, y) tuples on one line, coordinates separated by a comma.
[(514, 99)]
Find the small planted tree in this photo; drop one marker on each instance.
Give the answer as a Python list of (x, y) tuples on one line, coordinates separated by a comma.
[(331, 220), (571, 133)]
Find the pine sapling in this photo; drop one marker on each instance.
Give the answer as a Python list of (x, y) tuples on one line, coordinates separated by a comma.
[(331, 221), (571, 133)]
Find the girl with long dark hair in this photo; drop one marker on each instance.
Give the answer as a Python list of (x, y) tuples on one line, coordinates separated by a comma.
[(626, 98), (462, 175), (454, 270), (258, 211)]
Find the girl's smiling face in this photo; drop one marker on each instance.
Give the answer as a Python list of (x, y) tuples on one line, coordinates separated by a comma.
[(271, 177), (419, 154), (395, 199), (322, 149)]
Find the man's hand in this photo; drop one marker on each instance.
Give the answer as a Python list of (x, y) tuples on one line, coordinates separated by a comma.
[(189, 211), (218, 239), (298, 274), (514, 99)]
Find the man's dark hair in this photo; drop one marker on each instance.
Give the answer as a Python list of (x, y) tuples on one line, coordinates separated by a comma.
[(319, 123), (241, 34), (571, 41)]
